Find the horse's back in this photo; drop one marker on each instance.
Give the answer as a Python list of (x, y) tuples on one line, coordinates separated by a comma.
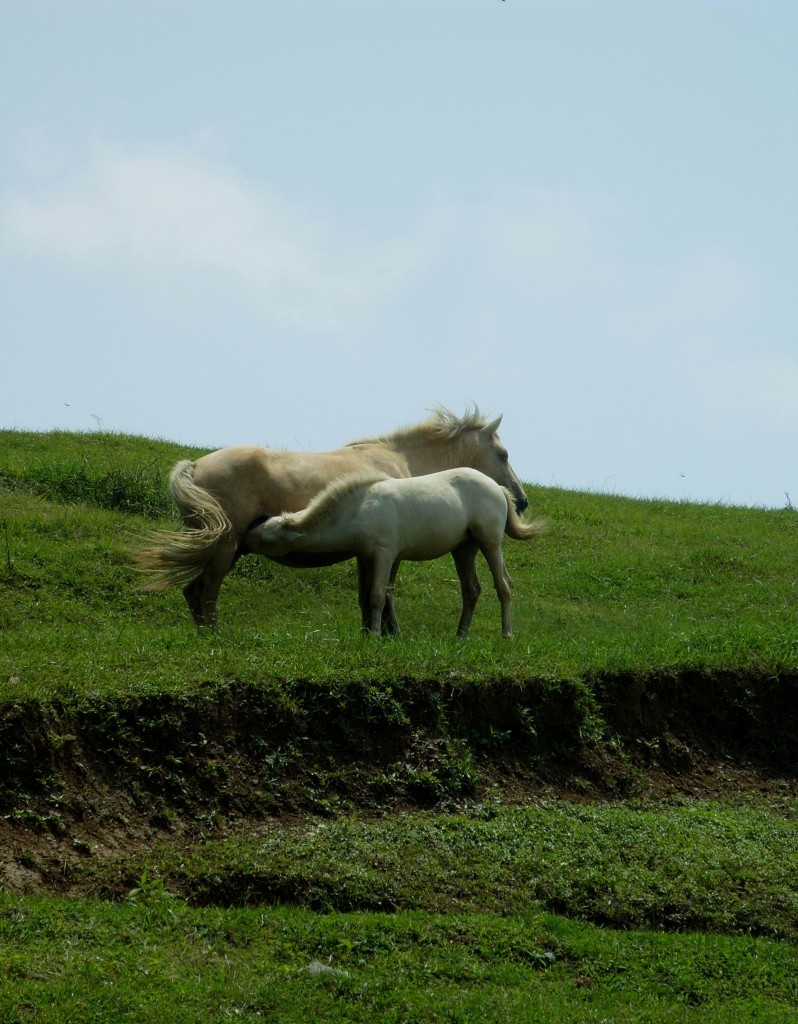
[(253, 481)]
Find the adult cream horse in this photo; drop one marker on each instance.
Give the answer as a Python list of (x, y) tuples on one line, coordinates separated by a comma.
[(384, 521), (220, 495)]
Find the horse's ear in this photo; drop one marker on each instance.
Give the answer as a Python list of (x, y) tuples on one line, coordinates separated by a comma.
[(493, 427)]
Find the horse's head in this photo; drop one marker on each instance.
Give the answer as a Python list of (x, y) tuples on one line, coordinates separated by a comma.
[(490, 457), (448, 440)]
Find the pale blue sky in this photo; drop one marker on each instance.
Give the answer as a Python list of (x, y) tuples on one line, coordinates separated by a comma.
[(298, 222)]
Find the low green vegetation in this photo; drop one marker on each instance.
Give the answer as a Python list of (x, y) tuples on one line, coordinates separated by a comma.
[(286, 820), (153, 958), (677, 866)]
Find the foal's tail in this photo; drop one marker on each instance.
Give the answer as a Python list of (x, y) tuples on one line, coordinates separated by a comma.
[(178, 557), (518, 528)]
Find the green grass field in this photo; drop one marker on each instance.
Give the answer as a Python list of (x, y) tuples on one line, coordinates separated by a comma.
[(285, 820), (616, 586)]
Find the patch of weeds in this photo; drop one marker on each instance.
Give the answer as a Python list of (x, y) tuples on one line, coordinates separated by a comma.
[(212, 771), (264, 802), (489, 739), (28, 860), (444, 773), (154, 899), (380, 704), (163, 818), (47, 821)]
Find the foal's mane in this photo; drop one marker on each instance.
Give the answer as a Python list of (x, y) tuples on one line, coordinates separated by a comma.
[(443, 425), (326, 503)]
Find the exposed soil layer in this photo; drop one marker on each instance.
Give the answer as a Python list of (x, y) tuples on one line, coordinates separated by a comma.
[(91, 782)]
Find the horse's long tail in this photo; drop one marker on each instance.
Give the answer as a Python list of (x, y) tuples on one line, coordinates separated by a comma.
[(518, 528), (178, 557)]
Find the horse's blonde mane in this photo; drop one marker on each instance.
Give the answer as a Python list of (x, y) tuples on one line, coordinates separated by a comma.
[(327, 502), (443, 425)]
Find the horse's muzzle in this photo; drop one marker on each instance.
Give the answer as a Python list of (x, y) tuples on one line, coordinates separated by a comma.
[(521, 502)]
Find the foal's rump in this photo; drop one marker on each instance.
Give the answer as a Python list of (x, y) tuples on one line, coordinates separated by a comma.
[(439, 511)]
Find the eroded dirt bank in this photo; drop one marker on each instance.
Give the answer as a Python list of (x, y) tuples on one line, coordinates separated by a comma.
[(93, 781)]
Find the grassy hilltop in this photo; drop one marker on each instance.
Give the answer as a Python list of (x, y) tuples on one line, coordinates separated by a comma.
[(474, 819), (616, 586)]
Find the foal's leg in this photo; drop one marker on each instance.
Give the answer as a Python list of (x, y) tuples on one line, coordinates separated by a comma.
[(381, 569), (364, 593), (501, 580), (465, 562), (388, 621)]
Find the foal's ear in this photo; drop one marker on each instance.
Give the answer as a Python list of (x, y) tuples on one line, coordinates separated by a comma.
[(493, 427)]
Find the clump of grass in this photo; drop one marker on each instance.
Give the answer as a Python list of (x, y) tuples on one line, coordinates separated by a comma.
[(141, 492), (108, 471)]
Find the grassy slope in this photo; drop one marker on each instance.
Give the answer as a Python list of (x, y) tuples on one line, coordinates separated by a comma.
[(617, 586)]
